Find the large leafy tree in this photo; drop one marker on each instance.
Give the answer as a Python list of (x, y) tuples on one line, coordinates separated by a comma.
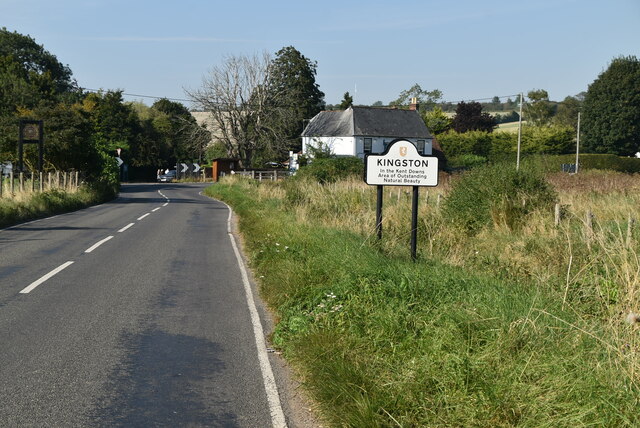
[(426, 99), (567, 111), (470, 117), (539, 110), (347, 101), (29, 73), (611, 120), (185, 139), (293, 91)]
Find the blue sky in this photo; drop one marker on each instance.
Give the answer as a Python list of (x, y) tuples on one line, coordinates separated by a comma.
[(467, 49)]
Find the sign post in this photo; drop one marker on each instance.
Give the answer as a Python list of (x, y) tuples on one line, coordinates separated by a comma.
[(31, 131), (401, 165)]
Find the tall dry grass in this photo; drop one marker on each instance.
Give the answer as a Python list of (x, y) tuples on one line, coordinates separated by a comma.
[(592, 266)]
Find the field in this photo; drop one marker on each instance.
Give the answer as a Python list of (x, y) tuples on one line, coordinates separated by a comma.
[(511, 326), (509, 126)]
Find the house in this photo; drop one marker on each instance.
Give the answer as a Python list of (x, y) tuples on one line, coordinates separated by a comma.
[(358, 131)]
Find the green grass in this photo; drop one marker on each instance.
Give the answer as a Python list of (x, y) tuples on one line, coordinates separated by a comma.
[(29, 206), (383, 341)]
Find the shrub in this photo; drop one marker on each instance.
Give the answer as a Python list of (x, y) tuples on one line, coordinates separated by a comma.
[(496, 194), (466, 161), (330, 170)]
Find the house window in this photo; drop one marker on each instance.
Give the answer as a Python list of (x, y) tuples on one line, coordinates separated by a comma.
[(420, 146), (385, 144), (368, 144)]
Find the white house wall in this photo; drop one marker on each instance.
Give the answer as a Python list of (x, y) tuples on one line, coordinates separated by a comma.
[(340, 146), (354, 146)]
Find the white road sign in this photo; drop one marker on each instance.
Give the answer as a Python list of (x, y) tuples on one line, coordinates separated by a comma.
[(120, 161), (196, 167), (185, 167), (401, 165)]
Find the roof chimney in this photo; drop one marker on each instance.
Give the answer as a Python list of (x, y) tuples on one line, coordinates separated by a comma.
[(414, 104)]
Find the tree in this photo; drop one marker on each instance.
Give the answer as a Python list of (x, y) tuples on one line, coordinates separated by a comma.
[(347, 101), (611, 119), (567, 111), (437, 122), (377, 104), (539, 110), (426, 99), (470, 117), (35, 61), (236, 94), (293, 94), (184, 137)]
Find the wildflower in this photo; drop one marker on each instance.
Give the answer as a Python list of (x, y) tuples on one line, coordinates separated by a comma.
[(331, 296), (277, 245)]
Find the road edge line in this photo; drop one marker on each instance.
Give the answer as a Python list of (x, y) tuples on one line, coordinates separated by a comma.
[(270, 386)]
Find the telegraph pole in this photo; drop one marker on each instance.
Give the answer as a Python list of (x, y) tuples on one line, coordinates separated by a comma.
[(578, 143), (519, 132)]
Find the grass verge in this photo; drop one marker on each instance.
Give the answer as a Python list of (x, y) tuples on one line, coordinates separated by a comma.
[(30, 206), (382, 341)]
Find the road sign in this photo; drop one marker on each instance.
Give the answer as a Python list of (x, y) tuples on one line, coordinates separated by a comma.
[(196, 167), (185, 167), (120, 161), (401, 165)]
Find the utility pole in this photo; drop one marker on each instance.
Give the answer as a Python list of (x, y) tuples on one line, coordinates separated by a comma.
[(519, 132), (578, 144)]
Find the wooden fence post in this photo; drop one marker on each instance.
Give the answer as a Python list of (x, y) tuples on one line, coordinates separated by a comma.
[(57, 180), (589, 228), (557, 215), (64, 181), (49, 180), (76, 180), (33, 181), (21, 180), (41, 181), (630, 224), (12, 183)]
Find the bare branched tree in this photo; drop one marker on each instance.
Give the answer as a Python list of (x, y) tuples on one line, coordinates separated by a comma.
[(235, 94)]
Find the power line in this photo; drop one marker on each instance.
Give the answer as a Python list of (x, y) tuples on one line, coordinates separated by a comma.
[(388, 105), (140, 96)]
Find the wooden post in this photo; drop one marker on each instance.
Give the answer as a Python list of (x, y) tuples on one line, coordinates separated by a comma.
[(41, 182), (64, 181), (589, 228), (49, 180), (12, 183), (414, 223), (438, 200), (21, 179), (76, 180), (33, 181), (557, 215), (380, 193), (57, 186)]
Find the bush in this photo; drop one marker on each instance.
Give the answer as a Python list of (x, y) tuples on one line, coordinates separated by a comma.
[(497, 194), (466, 161), (330, 170)]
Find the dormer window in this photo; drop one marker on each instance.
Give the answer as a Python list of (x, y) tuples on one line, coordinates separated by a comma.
[(420, 146)]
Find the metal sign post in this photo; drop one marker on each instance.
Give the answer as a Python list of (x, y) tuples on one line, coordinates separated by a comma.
[(401, 165), (31, 131)]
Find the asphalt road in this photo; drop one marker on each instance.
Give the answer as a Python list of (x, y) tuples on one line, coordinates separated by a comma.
[(131, 313)]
